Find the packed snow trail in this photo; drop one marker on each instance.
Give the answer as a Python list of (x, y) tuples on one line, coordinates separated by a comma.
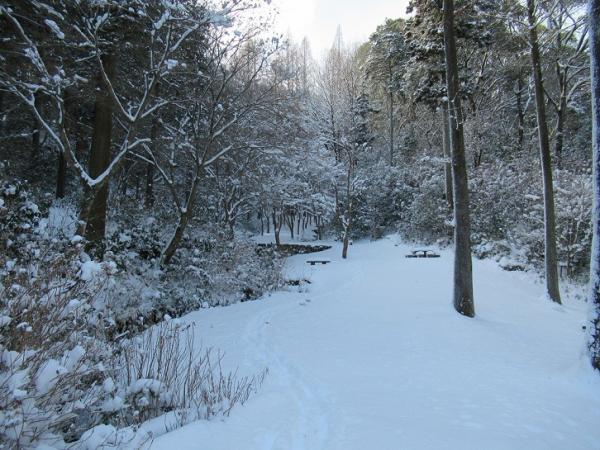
[(373, 356)]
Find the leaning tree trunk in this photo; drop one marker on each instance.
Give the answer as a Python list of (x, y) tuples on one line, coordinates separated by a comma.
[(185, 216), (100, 155), (551, 259), (173, 244), (463, 272), (594, 15)]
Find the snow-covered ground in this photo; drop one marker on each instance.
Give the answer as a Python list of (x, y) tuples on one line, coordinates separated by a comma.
[(371, 355)]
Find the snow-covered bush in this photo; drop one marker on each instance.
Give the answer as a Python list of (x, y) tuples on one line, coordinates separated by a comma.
[(165, 370), (573, 213), (71, 360), (62, 374), (51, 352), (218, 270), (427, 215), (382, 203), (508, 214), (19, 215)]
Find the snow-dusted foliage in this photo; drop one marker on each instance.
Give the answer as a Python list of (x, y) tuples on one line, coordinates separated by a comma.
[(69, 357)]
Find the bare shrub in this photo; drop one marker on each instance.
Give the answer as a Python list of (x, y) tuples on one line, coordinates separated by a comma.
[(164, 370), (62, 376), (49, 352)]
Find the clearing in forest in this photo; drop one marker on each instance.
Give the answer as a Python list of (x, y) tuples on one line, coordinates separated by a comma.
[(373, 355)]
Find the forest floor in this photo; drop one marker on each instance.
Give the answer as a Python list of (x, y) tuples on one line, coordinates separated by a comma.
[(371, 355)]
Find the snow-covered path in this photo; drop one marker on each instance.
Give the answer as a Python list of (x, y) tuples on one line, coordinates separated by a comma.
[(373, 356)]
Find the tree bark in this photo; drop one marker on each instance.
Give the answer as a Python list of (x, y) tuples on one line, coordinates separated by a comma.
[(551, 259), (520, 113), (290, 222), (149, 191), (561, 115), (463, 272), (277, 228), (100, 155), (262, 225), (268, 223), (594, 17), (447, 155), (391, 120), (319, 228), (349, 208), (61, 162), (61, 175), (36, 132), (184, 218), (3, 115)]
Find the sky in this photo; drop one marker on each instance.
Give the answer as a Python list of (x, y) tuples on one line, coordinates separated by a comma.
[(318, 20)]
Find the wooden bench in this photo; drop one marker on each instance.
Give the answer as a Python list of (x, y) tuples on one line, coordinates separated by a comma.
[(423, 254), (313, 262)]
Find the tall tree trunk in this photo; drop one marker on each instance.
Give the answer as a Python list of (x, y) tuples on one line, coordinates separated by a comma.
[(268, 223), (80, 146), (319, 225), (561, 107), (36, 132), (594, 16), (561, 116), (61, 162), (447, 155), (520, 112), (346, 241), (290, 221), (100, 155), (61, 175), (349, 210), (277, 228), (551, 260), (149, 191), (463, 272), (391, 94), (3, 115)]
